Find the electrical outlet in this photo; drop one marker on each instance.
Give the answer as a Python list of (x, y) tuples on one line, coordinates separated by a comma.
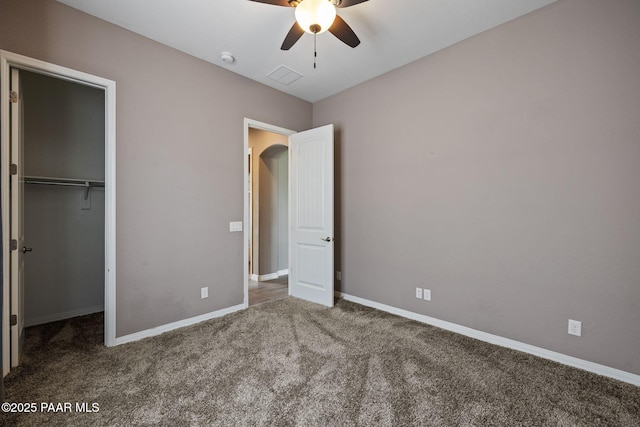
[(419, 293), (426, 294), (204, 293), (575, 328), (338, 275)]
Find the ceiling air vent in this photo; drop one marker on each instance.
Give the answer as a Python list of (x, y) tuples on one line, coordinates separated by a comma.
[(284, 75)]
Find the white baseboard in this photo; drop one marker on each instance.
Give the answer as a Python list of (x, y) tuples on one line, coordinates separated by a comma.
[(596, 368), (179, 324), (61, 316), (269, 276)]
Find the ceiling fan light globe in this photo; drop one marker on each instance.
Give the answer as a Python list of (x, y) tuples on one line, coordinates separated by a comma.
[(312, 14)]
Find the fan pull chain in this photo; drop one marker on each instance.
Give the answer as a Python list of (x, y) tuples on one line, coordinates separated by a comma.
[(315, 50)]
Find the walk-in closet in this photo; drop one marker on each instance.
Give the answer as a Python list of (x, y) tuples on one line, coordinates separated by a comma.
[(64, 199)]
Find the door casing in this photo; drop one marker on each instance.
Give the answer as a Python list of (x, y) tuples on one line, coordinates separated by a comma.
[(249, 178)]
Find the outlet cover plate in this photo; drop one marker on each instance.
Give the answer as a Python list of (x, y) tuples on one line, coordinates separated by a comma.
[(419, 293), (575, 328), (204, 292), (426, 293)]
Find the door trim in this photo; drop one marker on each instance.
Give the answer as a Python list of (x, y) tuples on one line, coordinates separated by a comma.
[(249, 178), (254, 124), (8, 60)]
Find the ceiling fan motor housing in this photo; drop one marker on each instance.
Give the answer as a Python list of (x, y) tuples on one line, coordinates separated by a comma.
[(294, 3), (315, 16)]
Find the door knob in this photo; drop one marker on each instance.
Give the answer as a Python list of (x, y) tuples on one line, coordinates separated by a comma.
[(327, 239), (26, 249)]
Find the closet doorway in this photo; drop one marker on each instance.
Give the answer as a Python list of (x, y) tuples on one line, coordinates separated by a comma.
[(63, 123), (63, 140), (268, 171)]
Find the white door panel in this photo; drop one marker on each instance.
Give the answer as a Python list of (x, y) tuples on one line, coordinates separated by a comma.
[(311, 215), (17, 222)]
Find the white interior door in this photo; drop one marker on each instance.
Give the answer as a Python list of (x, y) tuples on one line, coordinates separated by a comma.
[(17, 221), (311, 215)]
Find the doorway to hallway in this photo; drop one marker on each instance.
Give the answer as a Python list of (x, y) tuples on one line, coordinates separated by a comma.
[(268, 170)]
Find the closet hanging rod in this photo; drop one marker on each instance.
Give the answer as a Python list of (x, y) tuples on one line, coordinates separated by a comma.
[(87, 184), (68, 182)]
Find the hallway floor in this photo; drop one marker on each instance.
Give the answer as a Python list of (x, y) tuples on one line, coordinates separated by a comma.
[(260, 292)]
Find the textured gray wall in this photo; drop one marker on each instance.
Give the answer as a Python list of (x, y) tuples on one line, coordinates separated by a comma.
[(63, 137), (502, 173), (179, 157)]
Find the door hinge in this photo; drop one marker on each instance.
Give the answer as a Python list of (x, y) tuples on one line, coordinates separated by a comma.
[(13, 169), (13, 320), (14, 244), (13, 96)]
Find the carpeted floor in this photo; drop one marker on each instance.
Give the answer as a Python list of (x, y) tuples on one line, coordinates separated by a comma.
[(289, 362)]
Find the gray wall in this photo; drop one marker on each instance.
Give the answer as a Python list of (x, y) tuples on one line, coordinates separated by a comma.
[(63, 137), (179, 157), (283, 209), (274, 173), (270, 203), (502, 173)]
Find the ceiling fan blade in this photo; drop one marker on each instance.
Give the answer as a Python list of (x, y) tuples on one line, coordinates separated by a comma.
[(292, 37), (274, 2), (347, 3), (343, 31)]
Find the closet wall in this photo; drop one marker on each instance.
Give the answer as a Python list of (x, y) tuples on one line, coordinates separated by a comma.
[(63, 138)]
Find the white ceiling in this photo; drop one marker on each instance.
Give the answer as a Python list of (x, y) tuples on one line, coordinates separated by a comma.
[(392, 33)]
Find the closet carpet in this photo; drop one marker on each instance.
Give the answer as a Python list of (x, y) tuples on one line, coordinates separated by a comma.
[(289, 362)]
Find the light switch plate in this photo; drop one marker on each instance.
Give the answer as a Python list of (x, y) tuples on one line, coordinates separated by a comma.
[(235, 226)]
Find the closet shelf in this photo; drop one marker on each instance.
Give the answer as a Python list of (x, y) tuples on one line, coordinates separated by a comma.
[(66, 182)]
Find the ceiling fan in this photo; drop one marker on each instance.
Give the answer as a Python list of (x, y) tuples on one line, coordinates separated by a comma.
[(315, 17)]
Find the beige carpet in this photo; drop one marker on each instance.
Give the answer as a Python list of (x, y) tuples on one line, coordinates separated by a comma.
[(289, 362)]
